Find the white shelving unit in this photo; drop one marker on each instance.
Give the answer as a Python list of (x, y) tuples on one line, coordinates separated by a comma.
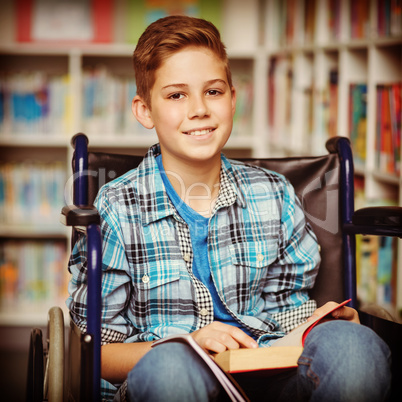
[(372, 59), (256, 47), (72, 61)]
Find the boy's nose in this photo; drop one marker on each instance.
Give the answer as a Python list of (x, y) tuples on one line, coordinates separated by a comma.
[(198, 108)]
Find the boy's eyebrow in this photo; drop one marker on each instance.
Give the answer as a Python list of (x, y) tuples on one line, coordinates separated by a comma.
[(209, 82)]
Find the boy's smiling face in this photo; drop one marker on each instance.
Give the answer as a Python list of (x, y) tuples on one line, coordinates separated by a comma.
[(192, 107)]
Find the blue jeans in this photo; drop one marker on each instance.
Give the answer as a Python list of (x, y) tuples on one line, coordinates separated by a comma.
[(341, 361)]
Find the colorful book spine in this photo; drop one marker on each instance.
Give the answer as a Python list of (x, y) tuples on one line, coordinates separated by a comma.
[(280, 83), (32, 274), (34, 103), (242, 122), (332, 120), (107, 103), (358, 121), (376, 268), (389, 17), (359, 19), (31, 193), (389, 128), (40, 20), (334, 19)]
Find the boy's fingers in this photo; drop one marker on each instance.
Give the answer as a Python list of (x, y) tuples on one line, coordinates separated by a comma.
[(319, 312), (346, 313), (217, 337), (243, 339), (343, 313)]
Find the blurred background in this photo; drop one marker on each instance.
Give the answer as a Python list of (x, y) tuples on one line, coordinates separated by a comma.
[(304, 70)]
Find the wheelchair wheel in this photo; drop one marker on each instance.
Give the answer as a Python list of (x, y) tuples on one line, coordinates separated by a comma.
[(54, 373), (34, 389)]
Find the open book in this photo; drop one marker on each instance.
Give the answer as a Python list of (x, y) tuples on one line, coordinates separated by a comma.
[(283, 354), (233, 390)]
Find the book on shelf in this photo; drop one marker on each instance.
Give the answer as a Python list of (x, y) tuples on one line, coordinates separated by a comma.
[(359, 19), (376, 258), (31, 193), (377, 270), (309, 21), (358, 121), (34, 103), (332, 120), (140, 13), (334, 19), (280, 84), (32, 274), (243, 83), (388, 127), (107, 103), (295, 24), (325, 112), (283, 354), (389, 18), (50, 21)]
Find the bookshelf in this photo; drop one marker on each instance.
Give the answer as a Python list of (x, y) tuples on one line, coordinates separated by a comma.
[(333, 67), (295, 64), (52, 89)]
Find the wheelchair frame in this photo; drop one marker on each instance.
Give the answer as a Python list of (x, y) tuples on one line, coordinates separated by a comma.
[(387, 221)]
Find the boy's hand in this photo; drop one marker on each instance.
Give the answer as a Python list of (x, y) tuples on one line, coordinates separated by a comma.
[(342, 313), (217, 337)]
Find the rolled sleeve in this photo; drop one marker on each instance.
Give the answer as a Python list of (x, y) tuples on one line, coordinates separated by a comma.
[(116, 281)]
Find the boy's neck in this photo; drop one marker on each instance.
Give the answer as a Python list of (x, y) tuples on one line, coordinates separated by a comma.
[(196, 184)]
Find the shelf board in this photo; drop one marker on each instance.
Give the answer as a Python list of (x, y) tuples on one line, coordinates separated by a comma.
[(332, 46), (68, 49), (240, 142), (51, 231), (31, 317), (121, 141), (34, 140), (387, 178)]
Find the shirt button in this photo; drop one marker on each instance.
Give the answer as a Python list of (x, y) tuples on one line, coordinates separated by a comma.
[(204, 312), (145, 279), (187, 257), (260, 257)]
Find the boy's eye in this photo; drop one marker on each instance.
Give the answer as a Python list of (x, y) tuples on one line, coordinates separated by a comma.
[(176, 96), (213, 92)]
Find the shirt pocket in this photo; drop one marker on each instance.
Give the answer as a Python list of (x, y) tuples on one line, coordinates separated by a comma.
[(158, 274), (251, 262), (255, 255)]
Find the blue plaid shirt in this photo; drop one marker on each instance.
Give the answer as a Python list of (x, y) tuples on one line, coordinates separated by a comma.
[(263, 256)]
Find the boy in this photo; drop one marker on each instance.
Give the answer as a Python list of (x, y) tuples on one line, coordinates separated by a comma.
[(195, 243)]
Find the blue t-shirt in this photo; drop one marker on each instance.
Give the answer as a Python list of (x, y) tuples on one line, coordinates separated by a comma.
[(198, 226)]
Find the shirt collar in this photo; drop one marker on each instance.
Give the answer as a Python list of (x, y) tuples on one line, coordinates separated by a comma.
[(154, 201)]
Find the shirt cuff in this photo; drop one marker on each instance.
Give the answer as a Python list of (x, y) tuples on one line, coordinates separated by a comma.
[(107, 335)]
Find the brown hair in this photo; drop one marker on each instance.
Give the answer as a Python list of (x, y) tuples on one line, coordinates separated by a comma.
[(167, 36)]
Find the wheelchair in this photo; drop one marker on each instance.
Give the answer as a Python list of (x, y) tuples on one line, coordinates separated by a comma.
[(325, 186)]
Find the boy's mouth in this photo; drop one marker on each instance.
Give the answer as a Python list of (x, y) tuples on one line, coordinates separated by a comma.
[(199, 132)]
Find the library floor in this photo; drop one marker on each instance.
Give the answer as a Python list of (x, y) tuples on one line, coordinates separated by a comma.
[(13, 369), (14, 345)]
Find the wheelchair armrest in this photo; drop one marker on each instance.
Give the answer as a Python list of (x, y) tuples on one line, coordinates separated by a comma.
[(379, 221), (72, 215)]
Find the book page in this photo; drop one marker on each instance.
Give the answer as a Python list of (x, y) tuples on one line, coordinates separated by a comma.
[(296, 337), (233, 390)]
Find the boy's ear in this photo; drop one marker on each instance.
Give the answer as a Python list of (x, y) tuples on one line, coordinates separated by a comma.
[(141, 112), (233, 90)]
